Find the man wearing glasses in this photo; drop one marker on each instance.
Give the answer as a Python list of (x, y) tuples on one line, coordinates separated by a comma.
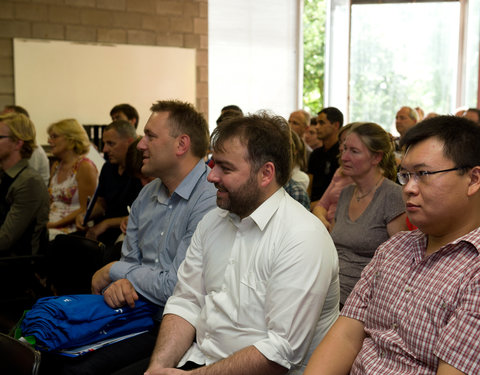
[(416, 308), (24, 201)]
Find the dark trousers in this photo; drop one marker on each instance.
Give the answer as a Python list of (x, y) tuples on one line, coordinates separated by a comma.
[(103, 361)]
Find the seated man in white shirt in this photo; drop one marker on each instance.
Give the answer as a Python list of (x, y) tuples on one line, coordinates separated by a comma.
[(259, 285)]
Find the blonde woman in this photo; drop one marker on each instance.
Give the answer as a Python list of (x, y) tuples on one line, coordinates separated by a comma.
[(73, 176)]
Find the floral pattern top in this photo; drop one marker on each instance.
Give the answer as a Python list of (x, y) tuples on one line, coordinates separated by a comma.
[(64, 197)]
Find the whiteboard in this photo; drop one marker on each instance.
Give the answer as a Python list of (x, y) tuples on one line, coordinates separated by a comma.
[(55, 80)]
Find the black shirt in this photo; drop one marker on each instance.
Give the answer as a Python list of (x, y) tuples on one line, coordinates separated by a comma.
[(322, 165)]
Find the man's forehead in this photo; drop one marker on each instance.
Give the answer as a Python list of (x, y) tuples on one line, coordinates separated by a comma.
[(231, 148), (423, 152), (110, 133)]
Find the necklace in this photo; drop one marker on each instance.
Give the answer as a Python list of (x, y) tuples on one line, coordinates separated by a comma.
[(360, 197)]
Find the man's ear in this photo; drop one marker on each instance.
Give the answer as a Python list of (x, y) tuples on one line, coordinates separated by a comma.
[(474, 185), (18, 144), (183, 144), (266, 174)]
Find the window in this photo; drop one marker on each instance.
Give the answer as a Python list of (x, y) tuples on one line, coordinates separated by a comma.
[(401, 53)]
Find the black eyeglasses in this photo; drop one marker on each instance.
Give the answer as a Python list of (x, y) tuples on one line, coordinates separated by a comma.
[(4, 136), (421, 176)]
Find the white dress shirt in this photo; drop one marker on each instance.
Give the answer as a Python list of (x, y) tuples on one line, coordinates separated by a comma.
[(269, 280)]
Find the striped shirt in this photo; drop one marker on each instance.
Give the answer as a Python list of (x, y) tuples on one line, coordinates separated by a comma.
[(416, 309)]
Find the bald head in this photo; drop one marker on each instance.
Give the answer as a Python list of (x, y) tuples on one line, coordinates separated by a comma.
[(406, 118), (298, 121)]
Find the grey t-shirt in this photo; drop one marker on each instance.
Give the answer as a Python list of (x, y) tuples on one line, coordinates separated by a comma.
[(356, 241)]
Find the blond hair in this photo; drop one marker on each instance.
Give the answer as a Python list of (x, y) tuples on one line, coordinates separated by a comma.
[(21, 128), (74, 133)]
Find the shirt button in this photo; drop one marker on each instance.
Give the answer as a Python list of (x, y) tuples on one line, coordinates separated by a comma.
[(170, 207), (408, 290), (156, 260), (161, 234), (394, 326)]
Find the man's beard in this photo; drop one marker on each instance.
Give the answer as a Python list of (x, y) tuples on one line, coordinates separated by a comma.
[(244, 200)]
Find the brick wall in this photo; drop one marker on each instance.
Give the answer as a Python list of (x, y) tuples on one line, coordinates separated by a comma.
[(174, 23)]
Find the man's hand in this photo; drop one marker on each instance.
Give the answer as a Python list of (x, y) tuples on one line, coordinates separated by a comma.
[(120, 293), (123, 224), (96, 230), (101, 279)]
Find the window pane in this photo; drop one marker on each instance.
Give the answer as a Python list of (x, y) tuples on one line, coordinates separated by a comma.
[(402, 54), (472, 56)]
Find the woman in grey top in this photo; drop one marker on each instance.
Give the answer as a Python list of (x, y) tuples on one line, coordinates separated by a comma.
[(372, 209)]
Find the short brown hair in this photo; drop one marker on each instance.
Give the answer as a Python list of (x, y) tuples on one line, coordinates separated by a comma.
[(266, 137), (183, 118)]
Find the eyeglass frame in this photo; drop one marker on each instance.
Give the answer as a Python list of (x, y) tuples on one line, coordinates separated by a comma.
[(401, 176), (5, 136)]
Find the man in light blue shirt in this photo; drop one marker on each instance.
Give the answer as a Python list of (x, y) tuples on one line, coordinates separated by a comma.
[(160, 226)]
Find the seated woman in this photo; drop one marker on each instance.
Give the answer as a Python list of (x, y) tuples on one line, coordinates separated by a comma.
[(73, 176), (327, 205), (370, 210)]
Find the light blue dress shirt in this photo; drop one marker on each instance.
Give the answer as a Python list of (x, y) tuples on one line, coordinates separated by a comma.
[(159, 232)]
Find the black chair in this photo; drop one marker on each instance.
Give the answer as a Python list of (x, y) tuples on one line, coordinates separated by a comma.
[(17, 357)]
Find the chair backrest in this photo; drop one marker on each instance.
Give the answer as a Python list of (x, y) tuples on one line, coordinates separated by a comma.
[(17, 357)]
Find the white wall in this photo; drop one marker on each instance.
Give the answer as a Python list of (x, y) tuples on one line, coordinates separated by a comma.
[(55, 80)]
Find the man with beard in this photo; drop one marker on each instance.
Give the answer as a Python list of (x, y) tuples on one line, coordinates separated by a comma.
[(259, 285)]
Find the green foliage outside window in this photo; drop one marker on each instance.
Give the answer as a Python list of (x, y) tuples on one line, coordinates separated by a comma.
[(313, 54)]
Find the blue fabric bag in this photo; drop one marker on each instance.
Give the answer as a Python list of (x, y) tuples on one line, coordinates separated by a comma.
[(78, 320)]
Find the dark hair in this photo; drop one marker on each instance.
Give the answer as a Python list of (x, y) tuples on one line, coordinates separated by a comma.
[(183, 118), (123, 128), (228, 114), (17, 109), (128, 110), (460, 137), (232, 107), (266, 137), (333, 115)]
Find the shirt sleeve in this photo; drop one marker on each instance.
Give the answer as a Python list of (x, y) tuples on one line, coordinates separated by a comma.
[(458, 340), (154, 284), (393, 204), (299, 286), (326, 199), (26, 199)]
